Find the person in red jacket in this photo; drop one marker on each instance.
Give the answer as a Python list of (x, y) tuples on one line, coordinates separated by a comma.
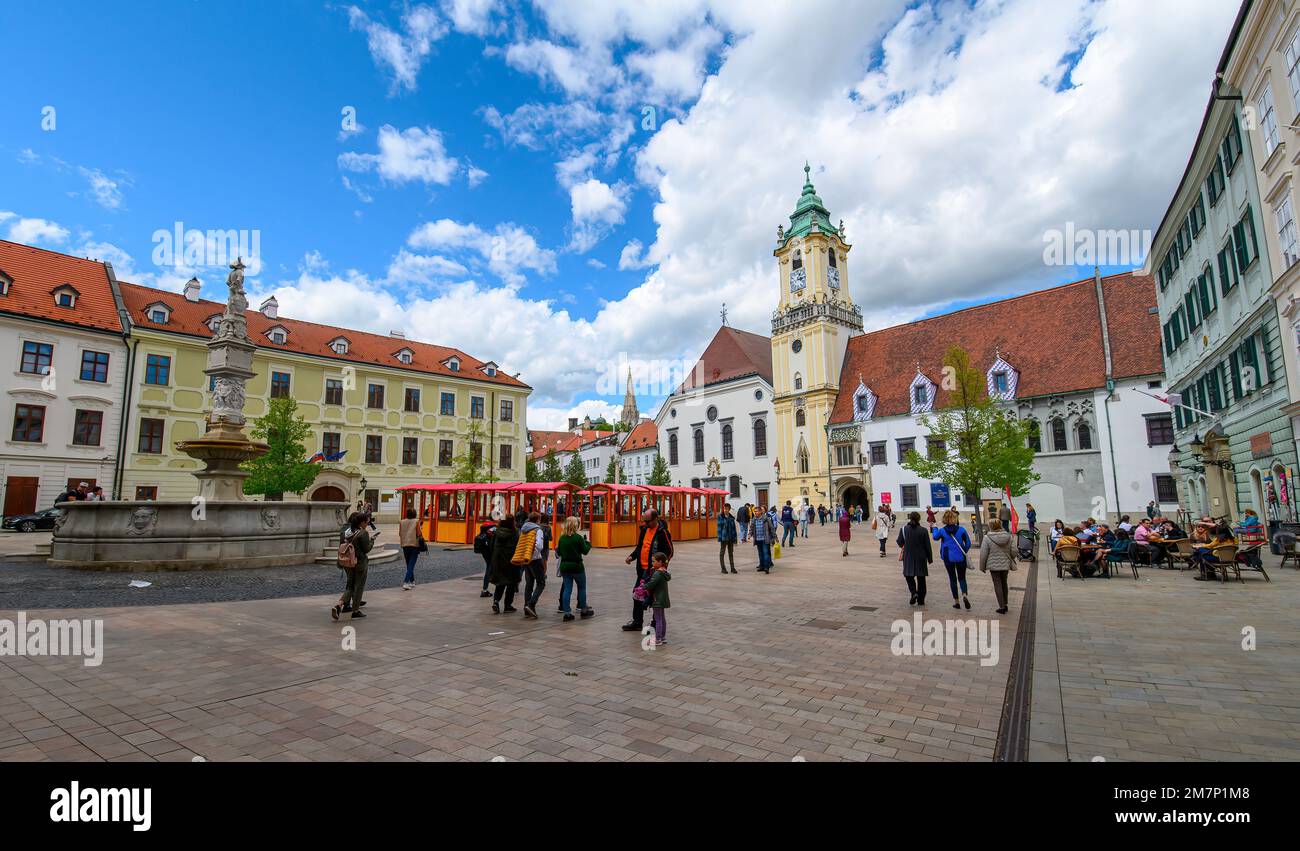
[(845, 530)]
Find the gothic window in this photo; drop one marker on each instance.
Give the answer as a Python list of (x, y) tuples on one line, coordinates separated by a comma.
[(1035, 436), (1084, 433), (803, 460), (1058, 436), (699, 445), (799, 419)]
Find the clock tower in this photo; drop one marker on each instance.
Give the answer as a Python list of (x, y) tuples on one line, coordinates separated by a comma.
[(810, 332)]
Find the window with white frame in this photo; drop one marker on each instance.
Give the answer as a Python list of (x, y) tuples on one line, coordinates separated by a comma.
[(1286, 231), (1267, 119), (1293, 67)]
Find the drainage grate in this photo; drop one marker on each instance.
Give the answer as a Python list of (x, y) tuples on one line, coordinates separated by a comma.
[(863, 608), (823, 624)]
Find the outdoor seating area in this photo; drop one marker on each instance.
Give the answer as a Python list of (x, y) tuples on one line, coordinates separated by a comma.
[(1213, 550)]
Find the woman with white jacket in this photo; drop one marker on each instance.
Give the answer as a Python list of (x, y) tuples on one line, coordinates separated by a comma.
[(998, 559), (881, 526)]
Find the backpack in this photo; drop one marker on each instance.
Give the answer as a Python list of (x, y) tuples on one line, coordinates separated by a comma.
[(524, 548), (483, 542), (347, 555)]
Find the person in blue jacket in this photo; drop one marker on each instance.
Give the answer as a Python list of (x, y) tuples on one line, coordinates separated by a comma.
[(954, 544)]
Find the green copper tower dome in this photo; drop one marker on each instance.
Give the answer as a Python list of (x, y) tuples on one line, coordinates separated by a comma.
[(810, 209)]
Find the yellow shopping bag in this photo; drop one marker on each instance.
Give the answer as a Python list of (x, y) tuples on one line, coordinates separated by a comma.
[(776, 551)]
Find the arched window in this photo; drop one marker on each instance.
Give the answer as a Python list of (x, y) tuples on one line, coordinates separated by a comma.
[(727, 448), (799, 418), (1058, 436), (733, 486), (672, 449), (1085, 436), (695, 483), (1035, 436), (760, 438), (831, 258), (798, 381), (699, 446), (803, 460), (797, 262)]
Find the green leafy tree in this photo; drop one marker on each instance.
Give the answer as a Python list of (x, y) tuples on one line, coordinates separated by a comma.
[(551, 469), (659, 474), (531, 471), (283, 468), (472, 465), (613, 472), (987, 447), (575, 473)]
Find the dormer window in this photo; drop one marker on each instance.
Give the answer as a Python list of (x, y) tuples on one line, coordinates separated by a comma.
[(453, 364), (5, 283), (921, 394), (278, 335), (339, 345), (213, 322), (864, 403), (65, 295), (490, 369), (405, 356), (158, 313), (1002, 380)]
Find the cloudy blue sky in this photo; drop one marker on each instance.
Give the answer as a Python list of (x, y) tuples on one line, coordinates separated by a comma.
[(551, 184)]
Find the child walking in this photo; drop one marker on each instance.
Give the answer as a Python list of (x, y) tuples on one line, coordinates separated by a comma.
[(657, 588)]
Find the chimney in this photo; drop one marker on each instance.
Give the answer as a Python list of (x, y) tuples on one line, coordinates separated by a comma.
[(573, 423), (401, 335), (270, 307), (192, 287)]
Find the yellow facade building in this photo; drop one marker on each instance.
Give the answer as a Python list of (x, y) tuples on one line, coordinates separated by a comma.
[(392, 411)]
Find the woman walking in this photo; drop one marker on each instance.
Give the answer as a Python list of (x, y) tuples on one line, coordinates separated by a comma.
[(570, 549), (955, 544), (997, 558), (846, 531), (505, 575), (354, 547), (881, 525), (916, 556), (412, 543)]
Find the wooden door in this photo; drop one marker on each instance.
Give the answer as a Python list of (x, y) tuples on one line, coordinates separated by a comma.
[(20, 494)]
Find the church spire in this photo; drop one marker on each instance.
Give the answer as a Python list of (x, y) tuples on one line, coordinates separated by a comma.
[(630, 416)]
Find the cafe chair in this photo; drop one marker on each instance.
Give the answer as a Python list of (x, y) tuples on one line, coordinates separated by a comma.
[(1114, 559), (1286, 545), (1067, 559), (1181, 554), (1227, 560)]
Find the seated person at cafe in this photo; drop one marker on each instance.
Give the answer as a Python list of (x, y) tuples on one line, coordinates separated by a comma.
[(1125, 524), (1105, 536), (1170, 531), (1119, 550), (1203, 555), (1086, 532), (1073, 538), (1202, 532)]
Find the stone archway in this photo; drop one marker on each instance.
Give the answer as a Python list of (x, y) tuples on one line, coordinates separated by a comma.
[(328, 493), (855, 495)]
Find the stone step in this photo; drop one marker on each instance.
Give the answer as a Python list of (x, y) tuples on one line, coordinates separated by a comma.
[(379, 555)]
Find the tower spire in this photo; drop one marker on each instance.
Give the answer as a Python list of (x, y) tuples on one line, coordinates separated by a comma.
[(630, 415)]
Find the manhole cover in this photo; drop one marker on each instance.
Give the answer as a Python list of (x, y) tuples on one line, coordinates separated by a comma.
[(824, 624), (863, 608)]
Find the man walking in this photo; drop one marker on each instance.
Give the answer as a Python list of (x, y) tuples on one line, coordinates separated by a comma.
[(652, 538), (742, 520), (762, 531), (787, 524), (535, 570), (726, 539)]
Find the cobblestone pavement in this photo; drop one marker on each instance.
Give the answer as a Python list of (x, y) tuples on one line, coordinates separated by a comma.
[(758, 668), (1156, 670), (35, 586)]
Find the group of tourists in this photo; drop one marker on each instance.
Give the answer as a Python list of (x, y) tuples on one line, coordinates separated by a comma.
[(1151, 541), (83, 492), (997, 557)]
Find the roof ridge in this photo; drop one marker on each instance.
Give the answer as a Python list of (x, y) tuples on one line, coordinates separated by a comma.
[(52, 251)]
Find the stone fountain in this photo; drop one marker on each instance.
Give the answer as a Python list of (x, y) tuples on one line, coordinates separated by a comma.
[(224, 446), (217, 528)]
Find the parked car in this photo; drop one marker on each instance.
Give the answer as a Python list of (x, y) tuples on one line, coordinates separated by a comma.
[(41, 520)]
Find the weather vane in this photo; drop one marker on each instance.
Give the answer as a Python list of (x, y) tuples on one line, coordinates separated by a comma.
[(724, 313)]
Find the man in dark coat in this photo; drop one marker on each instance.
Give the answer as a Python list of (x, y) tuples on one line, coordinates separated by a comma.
[(651, 538)]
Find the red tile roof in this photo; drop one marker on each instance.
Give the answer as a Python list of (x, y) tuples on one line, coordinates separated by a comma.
[(643, 435), (35, 272), (1051, 337), (191, 317), (562, 441), (732, 354)]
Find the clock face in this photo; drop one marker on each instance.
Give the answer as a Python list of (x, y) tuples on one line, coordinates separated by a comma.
[(797, 346)]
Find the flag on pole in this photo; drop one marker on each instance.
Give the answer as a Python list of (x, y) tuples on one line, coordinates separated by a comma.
[(1015, 518), (317, 458)]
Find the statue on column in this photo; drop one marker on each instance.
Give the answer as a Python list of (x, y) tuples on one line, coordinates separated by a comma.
[(233, 323)]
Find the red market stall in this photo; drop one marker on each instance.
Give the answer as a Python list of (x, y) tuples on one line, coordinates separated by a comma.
[(711, 500), (616, 513), (555, 501), (451, 512)]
